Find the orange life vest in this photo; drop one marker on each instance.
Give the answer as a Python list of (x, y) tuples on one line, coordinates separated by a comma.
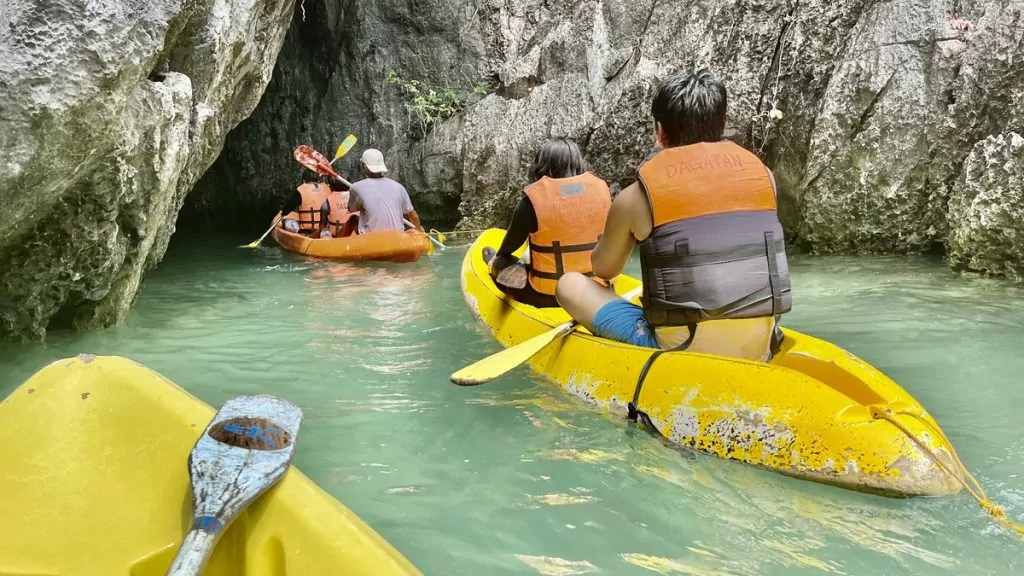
[(313, 196), (571, 214), (716, 250), (339, 214)]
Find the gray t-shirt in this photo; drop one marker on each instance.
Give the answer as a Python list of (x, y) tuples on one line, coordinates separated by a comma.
[(381, 203)]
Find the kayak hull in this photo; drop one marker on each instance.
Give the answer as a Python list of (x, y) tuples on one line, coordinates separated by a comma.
[(100, 473), (388, 246), (807, 413)]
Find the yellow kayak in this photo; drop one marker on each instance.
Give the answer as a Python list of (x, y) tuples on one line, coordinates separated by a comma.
[(815, 411), (95, 481)]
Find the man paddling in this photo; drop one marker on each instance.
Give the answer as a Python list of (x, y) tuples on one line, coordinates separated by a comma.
[(382, 203), (712, 256)]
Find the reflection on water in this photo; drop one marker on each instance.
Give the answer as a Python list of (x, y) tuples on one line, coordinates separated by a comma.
[(515, 477)]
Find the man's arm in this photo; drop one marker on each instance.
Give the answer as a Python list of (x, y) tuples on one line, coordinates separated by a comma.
[(616, 244), (410, 213), (354, 202), (413, 217)]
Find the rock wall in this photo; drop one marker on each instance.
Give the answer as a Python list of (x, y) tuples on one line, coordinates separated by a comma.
[(110, 111), (330, 81), (986, 210), (881, 102), (877, 117)]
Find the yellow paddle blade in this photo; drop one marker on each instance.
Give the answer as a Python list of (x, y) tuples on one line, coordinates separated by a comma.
[(255, 244), (503, 362), (440, 236), (345, 146)]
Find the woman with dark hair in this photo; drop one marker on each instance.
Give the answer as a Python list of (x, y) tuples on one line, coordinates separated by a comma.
[(311, 202), (562, 214)]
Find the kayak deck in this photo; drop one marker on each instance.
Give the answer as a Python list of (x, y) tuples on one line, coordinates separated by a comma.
[(96, 482), (808, 413), (388, 246)]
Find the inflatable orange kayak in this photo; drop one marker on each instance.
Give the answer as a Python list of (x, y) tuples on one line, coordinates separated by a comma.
[(389, 246)]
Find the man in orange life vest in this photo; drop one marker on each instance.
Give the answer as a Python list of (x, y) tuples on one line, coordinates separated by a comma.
[(712, 256), (562, 213), (319, 204)]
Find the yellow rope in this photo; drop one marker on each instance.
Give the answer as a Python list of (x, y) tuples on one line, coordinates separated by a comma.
[(458, 232), (994, 510)]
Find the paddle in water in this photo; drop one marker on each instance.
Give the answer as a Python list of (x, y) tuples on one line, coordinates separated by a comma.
[(435, 242), (256, 244), (245, 450), (343, 149), (497, 365)]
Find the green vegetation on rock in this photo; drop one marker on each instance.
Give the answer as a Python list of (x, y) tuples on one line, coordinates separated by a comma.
[(431, 105)]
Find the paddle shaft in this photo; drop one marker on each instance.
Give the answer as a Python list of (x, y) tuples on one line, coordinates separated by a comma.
[(195, 552), (246, 449), (411, 225), (276, 220), (497, 365)]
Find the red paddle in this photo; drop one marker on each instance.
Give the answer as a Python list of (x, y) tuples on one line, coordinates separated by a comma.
[(315, 161)]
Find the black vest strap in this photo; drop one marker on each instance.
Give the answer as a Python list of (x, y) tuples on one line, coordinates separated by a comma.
[(772, 252), (557, 248), (634, 411), (556, 275)]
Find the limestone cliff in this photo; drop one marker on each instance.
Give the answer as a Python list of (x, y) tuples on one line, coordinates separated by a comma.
[(109, 113), (881, 102), (891, 126)]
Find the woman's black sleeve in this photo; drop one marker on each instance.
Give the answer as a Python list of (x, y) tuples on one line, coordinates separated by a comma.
[(524, 221)]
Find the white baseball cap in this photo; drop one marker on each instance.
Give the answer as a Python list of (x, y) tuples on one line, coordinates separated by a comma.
[(373, 160)]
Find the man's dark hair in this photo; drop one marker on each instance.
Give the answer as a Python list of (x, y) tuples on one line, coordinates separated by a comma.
[(557, 158), (310, 176), (690, 106), (337, 185)]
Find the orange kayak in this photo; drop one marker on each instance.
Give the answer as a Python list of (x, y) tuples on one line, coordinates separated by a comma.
[(389, 246)]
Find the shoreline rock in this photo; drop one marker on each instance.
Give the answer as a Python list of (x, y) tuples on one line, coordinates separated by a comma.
[(110, 113)]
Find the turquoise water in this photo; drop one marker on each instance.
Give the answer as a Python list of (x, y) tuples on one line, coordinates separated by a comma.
[(516, 477)]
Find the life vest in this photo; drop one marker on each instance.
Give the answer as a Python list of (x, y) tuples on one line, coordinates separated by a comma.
[(571, 213), (716, 249), (339, 213), (313, 196)]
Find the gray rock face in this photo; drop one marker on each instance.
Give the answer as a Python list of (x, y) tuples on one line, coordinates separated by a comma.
[(330, 81), (109, 113), (881, 101), (986, 210), (111, 110)]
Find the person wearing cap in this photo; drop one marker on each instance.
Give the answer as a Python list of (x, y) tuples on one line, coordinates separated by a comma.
[(381, 202)]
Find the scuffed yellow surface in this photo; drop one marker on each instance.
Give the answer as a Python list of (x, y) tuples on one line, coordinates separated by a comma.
[(804, 414), (96, 482)]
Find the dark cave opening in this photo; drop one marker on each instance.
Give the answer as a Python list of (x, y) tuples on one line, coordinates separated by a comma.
[(242, 190)]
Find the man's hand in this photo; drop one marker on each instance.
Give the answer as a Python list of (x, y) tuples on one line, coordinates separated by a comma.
[(415, 219)]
